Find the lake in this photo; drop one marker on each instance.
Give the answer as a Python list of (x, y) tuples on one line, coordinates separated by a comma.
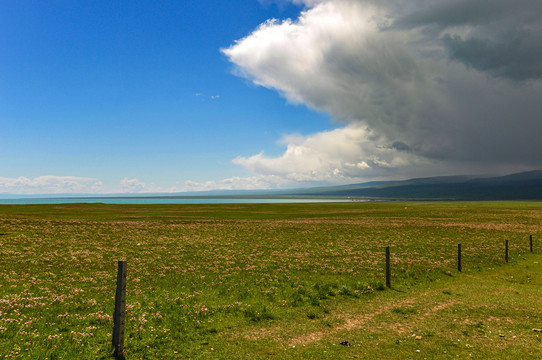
[(158, 200)]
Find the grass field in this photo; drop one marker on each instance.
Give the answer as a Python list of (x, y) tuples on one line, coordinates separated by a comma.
[(260, 281)]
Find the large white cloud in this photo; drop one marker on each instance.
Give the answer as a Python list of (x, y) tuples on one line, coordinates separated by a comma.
[(451, 85)]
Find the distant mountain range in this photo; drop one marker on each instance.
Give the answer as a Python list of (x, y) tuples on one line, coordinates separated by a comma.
[(520, 186)]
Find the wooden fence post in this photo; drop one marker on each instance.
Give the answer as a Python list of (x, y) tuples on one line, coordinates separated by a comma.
[(531, 242), (388, 271), (506, 251), (459, 257), (119, 315)]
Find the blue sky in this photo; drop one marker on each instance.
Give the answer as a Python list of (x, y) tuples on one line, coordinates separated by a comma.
[(109, 90), (146, 96)]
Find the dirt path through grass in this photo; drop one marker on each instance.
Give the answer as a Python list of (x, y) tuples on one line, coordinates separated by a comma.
[(490, 314)]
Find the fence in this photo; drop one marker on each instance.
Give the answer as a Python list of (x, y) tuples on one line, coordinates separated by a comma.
[(120, 296), (459, 260)]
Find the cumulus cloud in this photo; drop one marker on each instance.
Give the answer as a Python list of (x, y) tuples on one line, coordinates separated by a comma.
[(132, 185), (421, 86), (50, 184), (339, 155)]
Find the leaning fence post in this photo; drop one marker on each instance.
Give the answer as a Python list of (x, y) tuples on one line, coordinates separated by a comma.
[(388, 272), (459, 257), (531, 242), (506, 251), (119, 314)]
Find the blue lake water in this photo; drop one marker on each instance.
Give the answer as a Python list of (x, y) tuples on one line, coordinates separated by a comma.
[(142, 200)]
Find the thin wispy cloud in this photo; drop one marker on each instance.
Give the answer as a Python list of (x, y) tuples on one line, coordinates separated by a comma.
[(203, 96), (233, 183), (50, 184)]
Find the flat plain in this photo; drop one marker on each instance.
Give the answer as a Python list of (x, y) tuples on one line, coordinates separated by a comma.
[(263, 281)]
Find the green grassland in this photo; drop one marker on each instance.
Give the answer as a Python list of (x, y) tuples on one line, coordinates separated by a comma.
[(263, 281)]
